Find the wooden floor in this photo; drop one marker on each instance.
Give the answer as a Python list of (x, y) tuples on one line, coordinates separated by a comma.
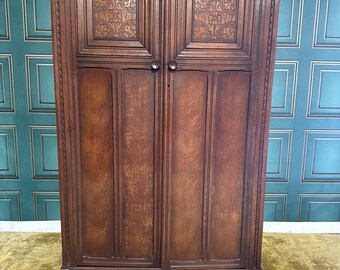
[(42, 251)]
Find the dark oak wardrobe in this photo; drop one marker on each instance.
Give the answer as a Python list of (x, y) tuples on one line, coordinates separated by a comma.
[(163, 114)]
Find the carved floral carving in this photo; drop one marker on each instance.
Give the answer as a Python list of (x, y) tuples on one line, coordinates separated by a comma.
[(215, 20), (115, 19)]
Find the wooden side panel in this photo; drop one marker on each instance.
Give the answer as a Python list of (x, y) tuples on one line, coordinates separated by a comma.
[(96, 143), (231, 110), (138, 133), (187, 173)]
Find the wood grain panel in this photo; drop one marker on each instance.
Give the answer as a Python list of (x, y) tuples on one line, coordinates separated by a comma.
[(186, 181), (96, 145), (138, 123), (231, 99)]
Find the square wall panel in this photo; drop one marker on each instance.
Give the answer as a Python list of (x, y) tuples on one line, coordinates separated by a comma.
[(37, 20), (275, 206), (44, 153), (326, 28), (324, 90), (40, 83), (322, 163), (8, 153), (46, 205), (278, 159), (289, 27), (6, 83), (321, 156), (284, 89), (10, 206), (319, 207), (4, 20)]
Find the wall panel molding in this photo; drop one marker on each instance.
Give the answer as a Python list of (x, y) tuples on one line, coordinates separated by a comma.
[(319, 207), (10, 206), (324, 89), (46, 205), (9, 163), (5, 26), (40, 83), (44, 157), (321, 157), (275, 207), (6, 83), (326, 26), (37, 20), (279, 154), (290, 23), (284, 88)]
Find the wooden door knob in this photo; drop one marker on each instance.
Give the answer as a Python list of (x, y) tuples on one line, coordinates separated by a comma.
[(155, 65), (173, 65)]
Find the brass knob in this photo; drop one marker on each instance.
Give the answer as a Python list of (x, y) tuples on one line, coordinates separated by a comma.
[(173, 65), (155, 65)]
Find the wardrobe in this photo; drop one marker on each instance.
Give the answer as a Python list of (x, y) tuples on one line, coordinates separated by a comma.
[(162, 116)]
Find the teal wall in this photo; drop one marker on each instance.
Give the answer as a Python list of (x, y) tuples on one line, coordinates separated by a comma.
[(28, 142), (303, 175)]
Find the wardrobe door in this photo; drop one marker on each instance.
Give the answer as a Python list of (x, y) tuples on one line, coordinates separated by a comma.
[(214, 110), (114, 48)]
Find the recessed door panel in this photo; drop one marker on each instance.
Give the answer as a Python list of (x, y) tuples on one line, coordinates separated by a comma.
[(207, 153), (228, 161), (138, 171), (187, 159), (119, 183), (96, 143)]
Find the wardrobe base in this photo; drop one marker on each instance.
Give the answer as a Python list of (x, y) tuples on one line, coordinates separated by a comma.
[(104, 268), (129, 268)]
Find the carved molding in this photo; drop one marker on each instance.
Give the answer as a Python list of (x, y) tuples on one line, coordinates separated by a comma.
[(215, 20), (271, 42), (63, 177), (115, 19)]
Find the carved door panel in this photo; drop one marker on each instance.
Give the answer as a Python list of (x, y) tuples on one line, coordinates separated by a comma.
[(118, 112), (212, 103)]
